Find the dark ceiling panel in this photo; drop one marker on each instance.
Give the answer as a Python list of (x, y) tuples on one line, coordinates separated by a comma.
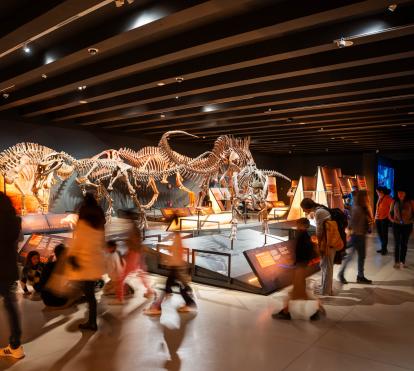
[(267, 69)]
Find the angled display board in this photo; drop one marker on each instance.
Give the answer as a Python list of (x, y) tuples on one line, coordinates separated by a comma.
[(43, 244)]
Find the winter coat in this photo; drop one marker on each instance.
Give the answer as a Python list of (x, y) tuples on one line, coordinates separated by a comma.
[(87, 247)]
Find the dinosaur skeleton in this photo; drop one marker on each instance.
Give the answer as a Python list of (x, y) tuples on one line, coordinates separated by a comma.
[(31, 168), (230, 161)]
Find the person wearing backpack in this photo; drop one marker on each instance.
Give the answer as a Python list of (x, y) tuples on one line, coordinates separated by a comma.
[(322, 216), (361, 220)]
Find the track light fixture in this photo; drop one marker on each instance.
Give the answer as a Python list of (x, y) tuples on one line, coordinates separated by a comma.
[(6, 95), (343, 43), (27, 49)]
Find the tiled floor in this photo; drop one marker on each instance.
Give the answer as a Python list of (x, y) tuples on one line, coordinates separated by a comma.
[(367, 328)]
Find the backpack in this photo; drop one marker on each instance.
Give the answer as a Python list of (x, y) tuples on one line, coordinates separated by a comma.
[(341, 220)]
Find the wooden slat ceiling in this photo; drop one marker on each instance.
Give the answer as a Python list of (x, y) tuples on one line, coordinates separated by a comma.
[(268, 69)]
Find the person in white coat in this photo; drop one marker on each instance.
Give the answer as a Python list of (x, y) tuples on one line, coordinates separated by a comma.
[(86, 254)]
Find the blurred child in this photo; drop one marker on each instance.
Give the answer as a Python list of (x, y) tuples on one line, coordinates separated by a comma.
[(32, 271), (115, 265), (134, 262), (178, 275), (305, 256)]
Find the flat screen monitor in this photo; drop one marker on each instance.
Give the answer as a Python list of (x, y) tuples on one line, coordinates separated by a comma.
[(386, 177)]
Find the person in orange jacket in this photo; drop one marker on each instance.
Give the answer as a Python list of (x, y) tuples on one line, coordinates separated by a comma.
[(381, 217)]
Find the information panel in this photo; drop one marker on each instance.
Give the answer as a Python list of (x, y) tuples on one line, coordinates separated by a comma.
[(273, 265), (44, 244)]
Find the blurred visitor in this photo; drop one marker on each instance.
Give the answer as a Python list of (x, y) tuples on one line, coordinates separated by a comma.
[(85, 256), (49, 298), (305, 256), (10, 227), (361, 220), (178, 276)]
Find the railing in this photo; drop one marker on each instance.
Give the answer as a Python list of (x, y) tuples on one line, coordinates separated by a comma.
[(199, 222), (165, 247), (193, 260), (151, 236)]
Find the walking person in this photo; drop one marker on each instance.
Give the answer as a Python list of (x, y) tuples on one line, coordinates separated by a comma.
[(134, 262), (381, 217), (402, 217), (10, 226), (360, 222), (322, 214), (85, 255), (177, 276)]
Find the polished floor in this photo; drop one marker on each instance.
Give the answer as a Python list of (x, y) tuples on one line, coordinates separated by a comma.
[(367, 328)]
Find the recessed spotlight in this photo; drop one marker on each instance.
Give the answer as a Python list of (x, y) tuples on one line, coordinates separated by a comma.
[(83, 101), (269, 110), (162, 116), (411, 113), (290, 152), (44, 76), (293, 145), (377, 151), (93, 51), (302, 123), (321, 129), (392, 7), (356, 142), (204, 137), (160, 83), (177, 97), (6, 95), (404, 125), (179, 79), (82, 87), (27, 49), (342, 43), (333, 138), (274, 141)]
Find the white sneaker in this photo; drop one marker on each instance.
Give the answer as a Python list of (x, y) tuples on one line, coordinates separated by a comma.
[(17, 353)]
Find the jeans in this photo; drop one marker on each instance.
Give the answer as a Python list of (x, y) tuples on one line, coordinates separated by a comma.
[(382, 229), (8, 292), (358, 244), (327, 263), (88, 288), (401, 236)]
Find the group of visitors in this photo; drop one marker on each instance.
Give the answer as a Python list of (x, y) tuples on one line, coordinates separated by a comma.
[(72, 273), (339, 235)]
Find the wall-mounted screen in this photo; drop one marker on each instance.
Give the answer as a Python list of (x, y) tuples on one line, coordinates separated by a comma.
[(385, 177)]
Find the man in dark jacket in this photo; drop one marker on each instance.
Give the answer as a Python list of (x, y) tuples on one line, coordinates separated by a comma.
[(10, 226)]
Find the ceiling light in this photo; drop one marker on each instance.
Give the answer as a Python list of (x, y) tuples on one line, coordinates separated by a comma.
[(411, 113), (321, 129), (204, 137), (269, 110), (83, 101), (327, 149), (162, 116), (302, 123), (392, 7), (6, 95), (119, 3), (403, 125), (44, 76), (177, 97), (377, 151), (333, 138), (274, 141), (27, 49), (290, 151), (160, 83), (179, 79), (356, 142), (82, 87), (93, 51), (342, 43)]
